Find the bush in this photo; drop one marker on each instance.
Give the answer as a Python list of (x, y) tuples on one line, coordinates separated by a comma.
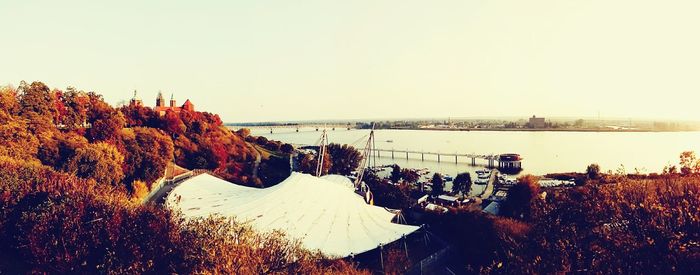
[(438, 184), (287, 148), (99, 161), (273, 145), (61, 224), (518, 203), (261, 140), (593, 171), (345, 158)]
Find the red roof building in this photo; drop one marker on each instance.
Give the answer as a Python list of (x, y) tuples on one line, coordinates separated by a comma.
[(161, 109)]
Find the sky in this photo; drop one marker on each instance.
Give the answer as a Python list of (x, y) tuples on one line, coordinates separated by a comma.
[(366, 59)]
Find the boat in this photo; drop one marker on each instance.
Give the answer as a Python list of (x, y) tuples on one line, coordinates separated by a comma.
[(389, 140), (484, 172), (483, 177)]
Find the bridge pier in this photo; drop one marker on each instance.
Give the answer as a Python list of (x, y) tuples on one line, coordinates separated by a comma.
[(406, 155), (473, 161), (438, 158), (455, 159), (270, 130), (422, 157), (492, 163), (392, 152)]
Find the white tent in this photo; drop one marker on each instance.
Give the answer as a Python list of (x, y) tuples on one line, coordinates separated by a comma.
[(324, 213)]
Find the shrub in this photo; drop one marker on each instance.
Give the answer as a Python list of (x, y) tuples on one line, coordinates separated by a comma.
[(593, 171)]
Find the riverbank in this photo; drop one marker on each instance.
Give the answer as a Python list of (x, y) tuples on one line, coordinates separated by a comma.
[(584, 130)]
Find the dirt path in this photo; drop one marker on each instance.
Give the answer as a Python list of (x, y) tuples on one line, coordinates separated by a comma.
[(489, 187), (258, 158)]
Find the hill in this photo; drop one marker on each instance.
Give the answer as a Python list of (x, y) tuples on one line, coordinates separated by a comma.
[(72, 173)]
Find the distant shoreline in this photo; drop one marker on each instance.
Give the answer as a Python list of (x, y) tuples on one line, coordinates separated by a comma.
[(584, 130), (543, 130)]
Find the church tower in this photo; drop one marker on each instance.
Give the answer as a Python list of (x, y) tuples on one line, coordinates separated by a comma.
[(160, 102), (135, 101), (172, 101)]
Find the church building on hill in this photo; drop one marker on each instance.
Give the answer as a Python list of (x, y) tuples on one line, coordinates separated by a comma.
[(160, 107)]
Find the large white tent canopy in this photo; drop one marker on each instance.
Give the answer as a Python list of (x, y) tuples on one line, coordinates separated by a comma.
[(324, 213)]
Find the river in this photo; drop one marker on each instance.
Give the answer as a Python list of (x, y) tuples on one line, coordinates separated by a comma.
[(543, 152)]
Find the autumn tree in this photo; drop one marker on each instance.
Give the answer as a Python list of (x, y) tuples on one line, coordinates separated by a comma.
[(106, 122), (438, 184), (520, 197), (261, 140), (462, 183), (273, 146), (345, 158), (36, 98), (287, 148), (306, 163), (689, 163), (74, 108), (409, 175), (99, 161), (107, 128), (396, 261), (243, 132), (16, 140), (147, 152), (57, 151), (593, 171), (395, 173), (172, 124), (9, 101), (139, 116), (385, 194)]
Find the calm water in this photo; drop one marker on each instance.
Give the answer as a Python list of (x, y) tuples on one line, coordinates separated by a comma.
[(543, 152)]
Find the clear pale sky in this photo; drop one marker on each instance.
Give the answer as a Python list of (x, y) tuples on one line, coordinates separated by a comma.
[(302, 60)]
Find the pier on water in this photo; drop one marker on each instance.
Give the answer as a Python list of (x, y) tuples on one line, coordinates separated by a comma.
[(507, 161), (491, 160), (488, 160)]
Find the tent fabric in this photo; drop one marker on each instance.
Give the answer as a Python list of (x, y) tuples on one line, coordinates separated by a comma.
[(324, 213)]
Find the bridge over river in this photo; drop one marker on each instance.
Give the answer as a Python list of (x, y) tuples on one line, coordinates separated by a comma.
[(316, 126)]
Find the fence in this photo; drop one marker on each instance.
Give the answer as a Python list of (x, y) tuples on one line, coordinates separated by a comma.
[(154, 189), (166, 181), (430, 264), (180, 177)]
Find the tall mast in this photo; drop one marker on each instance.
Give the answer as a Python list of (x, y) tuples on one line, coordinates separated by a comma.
[(322, 153), (366, 161)]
